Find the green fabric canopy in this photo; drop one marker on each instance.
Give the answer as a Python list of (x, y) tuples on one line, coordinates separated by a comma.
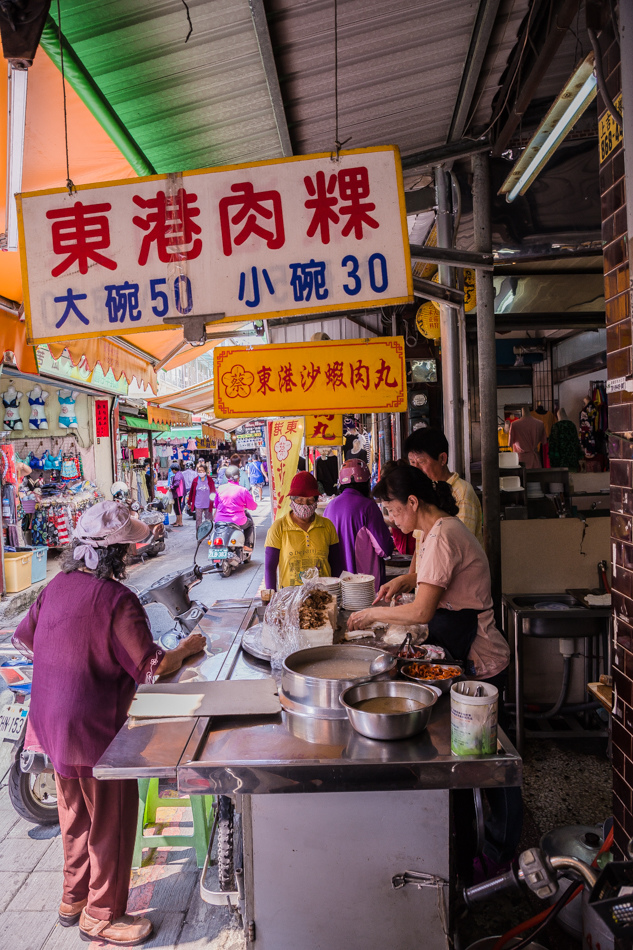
[(135, 423)]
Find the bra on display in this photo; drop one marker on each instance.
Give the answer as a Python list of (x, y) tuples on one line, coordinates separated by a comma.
[(36, 462)]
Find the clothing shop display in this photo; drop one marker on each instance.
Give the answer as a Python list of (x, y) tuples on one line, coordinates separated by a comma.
[(327, 473), (526, 434), (588, 420), (67, 399), (37, 401), (11, 402)]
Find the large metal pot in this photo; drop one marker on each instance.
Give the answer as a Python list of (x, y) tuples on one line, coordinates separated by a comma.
[(307, 691)]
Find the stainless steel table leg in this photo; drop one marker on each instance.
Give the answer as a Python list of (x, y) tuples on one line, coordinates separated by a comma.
[(518, 681)]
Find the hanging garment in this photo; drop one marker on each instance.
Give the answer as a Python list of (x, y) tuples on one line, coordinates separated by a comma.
[(587, 418), (526, 434), (37, 463), (7, 460), (547, 418), (70, 467), (564, 446), (37, 402), (53, 461), (67, 399), (11, 402)]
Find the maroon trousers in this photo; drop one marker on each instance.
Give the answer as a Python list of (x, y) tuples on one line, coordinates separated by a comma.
[(98, 822)]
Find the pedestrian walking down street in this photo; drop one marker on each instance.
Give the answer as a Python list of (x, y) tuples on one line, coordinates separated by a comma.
[(91, 644), (200, 500), (257, 477), (178, 493)]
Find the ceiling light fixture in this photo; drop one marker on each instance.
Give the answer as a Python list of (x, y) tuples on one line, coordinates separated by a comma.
[(16, 124), (577, 94)]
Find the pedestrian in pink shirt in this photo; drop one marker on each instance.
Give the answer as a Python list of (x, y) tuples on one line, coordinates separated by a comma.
[(232, 504)]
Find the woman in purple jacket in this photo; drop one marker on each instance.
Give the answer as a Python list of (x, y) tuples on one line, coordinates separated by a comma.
[(364, 537)]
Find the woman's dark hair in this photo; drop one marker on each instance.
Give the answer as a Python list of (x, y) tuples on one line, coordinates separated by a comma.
[(111, 561), (391, 466), (236, 460), (406, 480)]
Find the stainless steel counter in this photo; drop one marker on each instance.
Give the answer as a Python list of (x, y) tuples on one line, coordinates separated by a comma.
[(289, 753)]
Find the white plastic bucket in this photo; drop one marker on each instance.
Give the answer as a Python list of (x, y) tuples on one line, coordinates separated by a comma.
[(474, 718)]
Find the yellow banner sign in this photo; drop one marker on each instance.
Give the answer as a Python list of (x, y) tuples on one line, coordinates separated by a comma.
[(609, 132), (169, 417), (332, 376), (324, 430), (284, 439)]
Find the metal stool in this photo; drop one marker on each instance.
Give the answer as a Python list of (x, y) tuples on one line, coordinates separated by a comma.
[(200, 805)]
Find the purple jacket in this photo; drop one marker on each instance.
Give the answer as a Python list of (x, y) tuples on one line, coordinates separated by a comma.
[(363, 535)]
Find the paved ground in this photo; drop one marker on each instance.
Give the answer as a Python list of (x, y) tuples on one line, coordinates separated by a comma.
[(166, 886)]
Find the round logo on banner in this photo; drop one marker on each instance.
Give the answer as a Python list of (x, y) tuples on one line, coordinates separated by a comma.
[(427, 320), (470, 293)]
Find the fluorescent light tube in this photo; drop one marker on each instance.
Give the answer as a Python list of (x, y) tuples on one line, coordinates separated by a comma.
[(15, 150)]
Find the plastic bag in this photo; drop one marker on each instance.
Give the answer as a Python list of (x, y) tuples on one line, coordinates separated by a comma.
[(281, 629)]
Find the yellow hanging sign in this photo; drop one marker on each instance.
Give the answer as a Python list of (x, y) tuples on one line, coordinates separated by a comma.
[(470, 291), (330, 376), (324, 430), (427, 320), (284, 439)]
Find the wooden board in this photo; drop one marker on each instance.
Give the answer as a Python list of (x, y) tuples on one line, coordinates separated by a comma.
[(224, 698), (604, 694)]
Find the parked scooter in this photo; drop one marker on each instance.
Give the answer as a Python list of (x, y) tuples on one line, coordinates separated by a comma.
[(152, 516), (32, 787), (172, 592), (226, 547)]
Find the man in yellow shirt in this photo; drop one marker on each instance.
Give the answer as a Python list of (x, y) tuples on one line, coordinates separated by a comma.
[(301, 539), (427, 449)]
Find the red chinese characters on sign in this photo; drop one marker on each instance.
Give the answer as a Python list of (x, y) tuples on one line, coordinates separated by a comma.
[(80, 232), (321, 430), (353, 189), (253, 210), (170, 225), (102, 419)]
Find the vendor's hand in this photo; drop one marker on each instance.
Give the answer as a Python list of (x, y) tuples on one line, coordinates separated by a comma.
[(362, 619), (194, 643), (399, 585)]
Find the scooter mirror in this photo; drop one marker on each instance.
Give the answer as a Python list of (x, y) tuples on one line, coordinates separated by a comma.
[(205, 529)]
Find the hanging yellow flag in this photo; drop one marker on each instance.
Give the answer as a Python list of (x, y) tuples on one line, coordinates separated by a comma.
[(284, 439), (427, 320)]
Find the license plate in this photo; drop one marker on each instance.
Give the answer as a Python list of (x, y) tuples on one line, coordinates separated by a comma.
[(218, 554), (11, 721)]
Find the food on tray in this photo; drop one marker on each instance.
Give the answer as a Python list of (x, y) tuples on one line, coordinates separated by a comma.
[(433, 671), (358, 634), (318, 619)]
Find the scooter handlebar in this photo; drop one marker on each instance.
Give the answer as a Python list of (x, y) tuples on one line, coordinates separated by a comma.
[(488, 889)]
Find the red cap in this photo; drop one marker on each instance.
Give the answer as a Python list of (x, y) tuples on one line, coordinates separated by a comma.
[(304, 485)]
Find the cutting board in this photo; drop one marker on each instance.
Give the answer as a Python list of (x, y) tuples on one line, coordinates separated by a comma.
[(225, 698)]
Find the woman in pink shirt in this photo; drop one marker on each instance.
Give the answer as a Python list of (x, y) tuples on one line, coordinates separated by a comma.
[(232, 504), (453, 593)]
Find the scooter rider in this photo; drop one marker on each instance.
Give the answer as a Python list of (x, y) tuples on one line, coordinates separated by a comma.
[(232, 504)]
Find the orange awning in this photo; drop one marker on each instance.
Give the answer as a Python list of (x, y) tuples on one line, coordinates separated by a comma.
[(194, 399), (109, 356)]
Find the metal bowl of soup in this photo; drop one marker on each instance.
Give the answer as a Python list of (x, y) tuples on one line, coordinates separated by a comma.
[(389, 710)]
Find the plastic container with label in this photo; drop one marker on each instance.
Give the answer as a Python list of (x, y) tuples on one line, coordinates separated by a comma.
[(17, 570), (474, 718)]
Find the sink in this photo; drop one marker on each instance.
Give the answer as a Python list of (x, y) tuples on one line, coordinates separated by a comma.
[(567, 617), (531, 600)]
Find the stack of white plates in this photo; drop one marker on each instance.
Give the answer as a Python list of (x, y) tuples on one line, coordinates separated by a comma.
[(333, 586), (359, 590)]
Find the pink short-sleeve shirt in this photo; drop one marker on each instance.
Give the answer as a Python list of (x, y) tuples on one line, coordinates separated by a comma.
[(451, 557)]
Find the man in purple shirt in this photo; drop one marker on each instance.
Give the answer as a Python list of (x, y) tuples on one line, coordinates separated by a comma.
[(91, 644), (363, 535)]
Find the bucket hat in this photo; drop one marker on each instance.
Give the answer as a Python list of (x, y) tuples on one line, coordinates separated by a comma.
[(304, 485), (104, 524)]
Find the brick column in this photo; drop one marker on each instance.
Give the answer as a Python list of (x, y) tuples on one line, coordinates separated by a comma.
[(618, 318)]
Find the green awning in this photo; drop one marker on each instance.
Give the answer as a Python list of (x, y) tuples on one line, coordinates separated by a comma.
[(182, 432), (135, 423)]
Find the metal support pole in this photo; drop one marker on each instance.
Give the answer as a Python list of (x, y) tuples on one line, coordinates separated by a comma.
[(451, 385), (625, 12), (487, 376)]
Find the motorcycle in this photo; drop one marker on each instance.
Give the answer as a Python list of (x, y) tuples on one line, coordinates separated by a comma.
[(32, 789), (226, 547), (152, 516)]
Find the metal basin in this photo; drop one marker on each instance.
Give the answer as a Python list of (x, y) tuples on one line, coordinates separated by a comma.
[(312, 680), (412, 706), (565, 618)]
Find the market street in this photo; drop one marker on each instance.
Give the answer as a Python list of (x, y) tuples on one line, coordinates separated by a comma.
[(167, 884)]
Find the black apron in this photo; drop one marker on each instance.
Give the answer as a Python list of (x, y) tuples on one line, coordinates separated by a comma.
[(454, 630)]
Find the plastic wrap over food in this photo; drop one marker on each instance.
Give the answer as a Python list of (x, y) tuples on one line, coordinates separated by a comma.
[(282, 633)]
